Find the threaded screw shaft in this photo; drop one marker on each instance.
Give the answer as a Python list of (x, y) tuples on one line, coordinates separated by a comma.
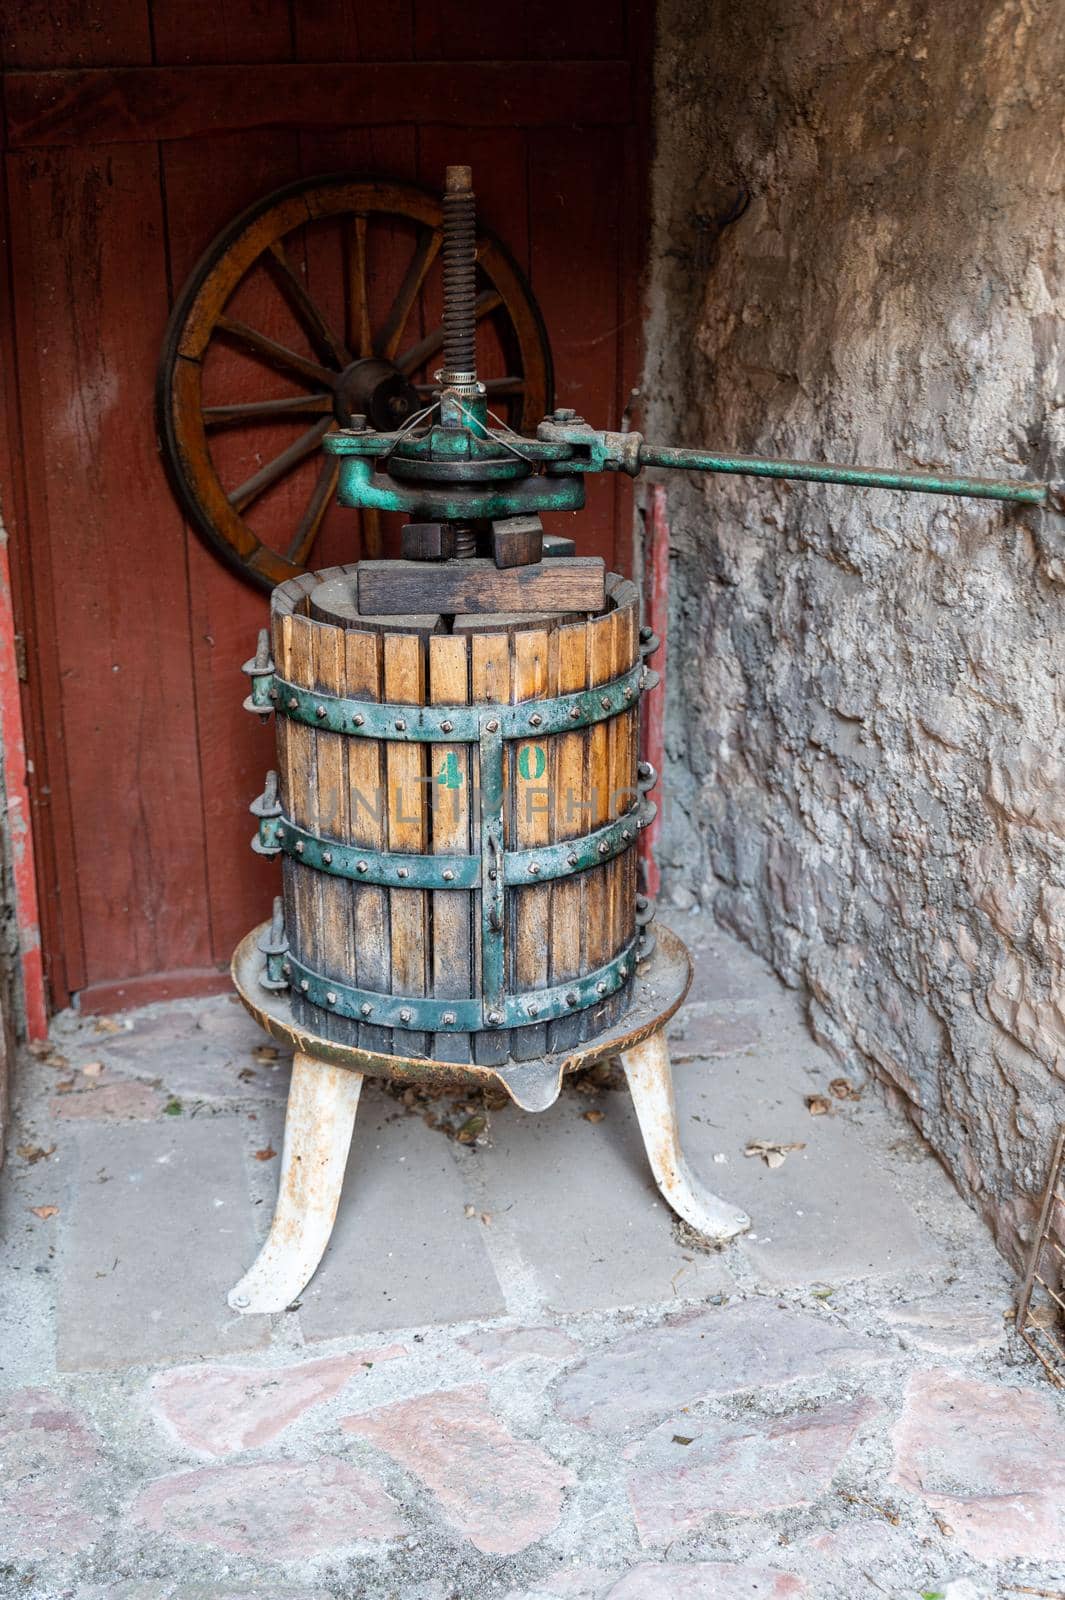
[(460, 277)]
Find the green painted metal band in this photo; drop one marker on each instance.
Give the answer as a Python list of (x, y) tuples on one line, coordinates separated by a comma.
[(364, 865), (532, 719), (493, 952), (431, 1014)]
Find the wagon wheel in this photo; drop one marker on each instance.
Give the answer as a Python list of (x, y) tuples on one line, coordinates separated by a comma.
[(350, 269)]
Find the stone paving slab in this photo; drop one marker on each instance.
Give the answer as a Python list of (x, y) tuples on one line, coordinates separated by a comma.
[(403, 1252), (828, 1212), (157, 1230), (579, 1201)]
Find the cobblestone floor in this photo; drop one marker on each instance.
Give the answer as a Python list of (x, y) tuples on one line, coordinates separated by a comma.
[(515, 1374)]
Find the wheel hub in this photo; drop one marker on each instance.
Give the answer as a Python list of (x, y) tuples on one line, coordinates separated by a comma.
[(375, 389)]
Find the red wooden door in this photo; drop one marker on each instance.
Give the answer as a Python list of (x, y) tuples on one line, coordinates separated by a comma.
[(133, 132)]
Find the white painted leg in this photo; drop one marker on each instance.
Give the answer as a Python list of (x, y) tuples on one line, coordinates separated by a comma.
[(651, 1082), (322, 1102)]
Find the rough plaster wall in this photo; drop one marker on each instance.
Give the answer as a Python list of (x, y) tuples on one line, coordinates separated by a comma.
[(865, 731)]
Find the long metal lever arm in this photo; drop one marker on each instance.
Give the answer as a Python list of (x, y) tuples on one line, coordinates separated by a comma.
[(652, 455)]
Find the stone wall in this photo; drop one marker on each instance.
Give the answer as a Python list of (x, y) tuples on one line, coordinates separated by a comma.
[(859, 254)]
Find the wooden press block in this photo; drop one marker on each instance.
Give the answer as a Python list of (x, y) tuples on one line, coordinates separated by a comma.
[(335, 601), (389, 588)]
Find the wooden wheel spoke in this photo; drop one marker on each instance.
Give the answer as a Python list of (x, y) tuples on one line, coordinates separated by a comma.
[(359, 336), (280, 466), (277, 355), (292, 285), (424, 255), (303, 539), (289, 405), (487, 302)]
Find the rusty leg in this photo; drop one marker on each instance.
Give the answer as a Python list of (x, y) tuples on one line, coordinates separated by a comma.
[(322, 1102), (651, 1083)]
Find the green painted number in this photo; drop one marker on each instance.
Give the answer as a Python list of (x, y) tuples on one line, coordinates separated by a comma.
[(449, 774), (532, 761)]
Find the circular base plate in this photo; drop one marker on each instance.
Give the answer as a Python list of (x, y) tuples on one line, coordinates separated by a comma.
[(660, 986)]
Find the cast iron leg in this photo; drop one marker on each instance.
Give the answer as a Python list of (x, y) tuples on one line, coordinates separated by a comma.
[(651, 1082), (322, 1102)]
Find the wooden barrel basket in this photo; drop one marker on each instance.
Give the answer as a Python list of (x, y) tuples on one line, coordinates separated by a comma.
[(457, 806)]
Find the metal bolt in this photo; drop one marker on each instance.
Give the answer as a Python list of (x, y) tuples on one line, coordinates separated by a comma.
[(600, 987), (575, 712), (331, 998), (405, 1015), (534, 867), (327, 857), (292, 702), (604, 701), (571, 999), (448, 1018), (492, 874), (495, 1018), (366, 1009), (319, 711), (401, 726), (564, 413), (572, 860), (533, 1011), (446, 727), (447, 875), (628, 691), (492, 727), (402, 872), (623, 972), (358, 719), (535, 720), (286, 968), (273, 695), (304, 985), (362, 866), (240, 1301), (299, 847), (626, 834), (604, 847)]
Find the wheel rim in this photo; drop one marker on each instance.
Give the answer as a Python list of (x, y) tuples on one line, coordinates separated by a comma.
[(370, 338)]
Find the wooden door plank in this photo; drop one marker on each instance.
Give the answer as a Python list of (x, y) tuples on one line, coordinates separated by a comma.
[(213, 32), (88, 289), (452, 923), (75, 33)]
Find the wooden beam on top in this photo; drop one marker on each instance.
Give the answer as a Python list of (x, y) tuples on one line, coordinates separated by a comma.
[(124, 105)]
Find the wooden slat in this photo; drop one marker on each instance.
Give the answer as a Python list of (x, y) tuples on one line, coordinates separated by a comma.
[(368, 826), (148, 104), (452, 955), (408, 909), (299, 799), (489, 682), (595, 898), (567, 781), (534, 675), (333, 799)]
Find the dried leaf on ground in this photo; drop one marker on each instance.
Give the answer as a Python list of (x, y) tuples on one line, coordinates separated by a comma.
[(469, 1211), (772, 1154), (843, 1089), (33, 1152), (817, 1105), (593, 1116), (471, 1129), (93, 1069), (64, 1087), (109, 1025), (40, 1048), (44, 1212), (267, 1153), (266, 1052)]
